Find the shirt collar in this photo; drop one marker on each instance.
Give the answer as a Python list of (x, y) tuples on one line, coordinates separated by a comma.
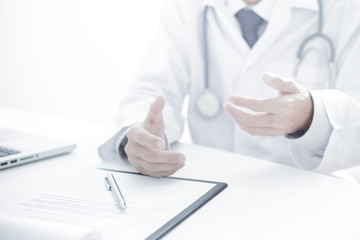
[(264, 7)]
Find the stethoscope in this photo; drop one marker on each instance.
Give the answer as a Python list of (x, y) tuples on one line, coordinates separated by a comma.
[(208, 103)]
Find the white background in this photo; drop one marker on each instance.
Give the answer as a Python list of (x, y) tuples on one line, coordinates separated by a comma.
[(73, 58)]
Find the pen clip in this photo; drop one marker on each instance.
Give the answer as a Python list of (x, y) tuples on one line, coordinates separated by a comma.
[(107, 184)]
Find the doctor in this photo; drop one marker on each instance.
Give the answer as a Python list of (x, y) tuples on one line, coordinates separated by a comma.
[(252, 88)]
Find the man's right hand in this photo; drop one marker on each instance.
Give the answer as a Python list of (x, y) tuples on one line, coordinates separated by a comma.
[(145, 146)]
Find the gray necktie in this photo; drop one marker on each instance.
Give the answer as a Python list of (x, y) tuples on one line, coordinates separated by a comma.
[(249, 22)]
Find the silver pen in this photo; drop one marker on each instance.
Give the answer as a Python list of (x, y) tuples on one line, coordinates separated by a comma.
[(112, 186)]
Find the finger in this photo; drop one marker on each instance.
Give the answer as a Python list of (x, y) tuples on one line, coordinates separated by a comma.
[(155, 112), (164, 174), (144, 138), (154, 169), (250, 119), (151, 168), (261, 131), (156, 156), (156, 174), (283, 85), (255, 104)]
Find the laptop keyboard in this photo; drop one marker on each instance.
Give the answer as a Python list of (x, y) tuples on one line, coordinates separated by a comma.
[(7, 151)]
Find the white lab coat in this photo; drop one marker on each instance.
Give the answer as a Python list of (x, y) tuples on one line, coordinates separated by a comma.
[(173, 67)]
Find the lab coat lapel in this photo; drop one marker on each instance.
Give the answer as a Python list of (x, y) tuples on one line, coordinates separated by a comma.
[(229, 25), (279, 20)]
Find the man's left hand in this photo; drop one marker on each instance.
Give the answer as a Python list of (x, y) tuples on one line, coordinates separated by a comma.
[(288, 113)]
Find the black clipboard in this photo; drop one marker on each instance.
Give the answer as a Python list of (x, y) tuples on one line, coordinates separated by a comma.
[(188, 211)]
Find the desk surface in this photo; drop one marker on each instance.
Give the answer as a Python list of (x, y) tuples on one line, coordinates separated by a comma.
[(263, 200)]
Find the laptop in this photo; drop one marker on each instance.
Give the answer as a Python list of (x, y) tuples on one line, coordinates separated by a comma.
[(18, 148)]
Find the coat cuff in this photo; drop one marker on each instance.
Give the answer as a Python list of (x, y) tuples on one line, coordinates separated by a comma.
[(110, 150), (318, 134), (315, 140)]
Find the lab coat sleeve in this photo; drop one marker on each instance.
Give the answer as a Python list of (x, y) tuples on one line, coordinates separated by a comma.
[(308, 149), (343, 148), (113, 149), (342, 108), (164, 71)]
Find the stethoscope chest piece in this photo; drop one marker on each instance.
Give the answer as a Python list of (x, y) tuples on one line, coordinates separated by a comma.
[(208, 104)]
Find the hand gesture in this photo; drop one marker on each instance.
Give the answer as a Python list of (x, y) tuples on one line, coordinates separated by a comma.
[(145, 146), (288, 113)]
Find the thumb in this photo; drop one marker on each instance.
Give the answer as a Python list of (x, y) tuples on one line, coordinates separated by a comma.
[(157, 106), (283, 85), (154, 119)]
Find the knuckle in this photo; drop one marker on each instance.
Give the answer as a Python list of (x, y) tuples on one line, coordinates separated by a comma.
[(134, 133), (128, 149), (151, 121), (141, 170), (293, 83), (171, 172), (130, 133), (176, 159), (237, 101)]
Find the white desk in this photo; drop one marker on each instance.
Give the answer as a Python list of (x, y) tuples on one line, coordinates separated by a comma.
[(262, 201)]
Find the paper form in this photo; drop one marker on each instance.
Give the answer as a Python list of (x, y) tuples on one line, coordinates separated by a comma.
[(20, 228), (82, 200)]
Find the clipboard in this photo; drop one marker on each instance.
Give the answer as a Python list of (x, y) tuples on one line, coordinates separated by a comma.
[(155, 206), (188, 211)]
